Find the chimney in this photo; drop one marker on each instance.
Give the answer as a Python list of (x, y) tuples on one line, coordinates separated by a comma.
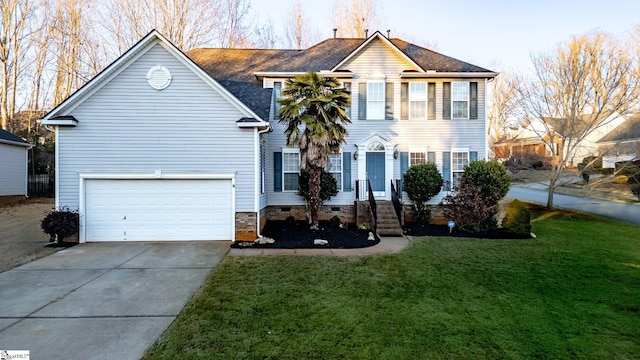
[(366, 33), (335, 32), (389, 34)]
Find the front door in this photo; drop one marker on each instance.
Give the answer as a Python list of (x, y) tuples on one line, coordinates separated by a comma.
[(375, 171)]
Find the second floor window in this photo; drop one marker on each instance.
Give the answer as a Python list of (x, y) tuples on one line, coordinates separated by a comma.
[(460, 100), (375, 100), (417, 100)]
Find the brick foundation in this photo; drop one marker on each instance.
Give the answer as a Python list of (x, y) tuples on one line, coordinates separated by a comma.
[(299, 212), (246, 226)]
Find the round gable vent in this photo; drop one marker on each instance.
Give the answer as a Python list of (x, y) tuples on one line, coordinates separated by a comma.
[(159, 77)]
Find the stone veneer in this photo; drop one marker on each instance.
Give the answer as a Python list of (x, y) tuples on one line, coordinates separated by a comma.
[(299, 212), (246, 226)]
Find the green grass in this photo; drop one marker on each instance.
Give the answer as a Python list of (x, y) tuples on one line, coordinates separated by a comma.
[(574, 292)]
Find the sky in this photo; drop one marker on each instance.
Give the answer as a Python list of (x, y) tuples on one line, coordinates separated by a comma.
[(496, 34)]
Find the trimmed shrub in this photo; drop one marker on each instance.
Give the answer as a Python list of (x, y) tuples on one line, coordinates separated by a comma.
[(517, 219), (422, 182), (60, 224), (490, 177), (335, 221), (470, 209), (328, 186), (621, 179)]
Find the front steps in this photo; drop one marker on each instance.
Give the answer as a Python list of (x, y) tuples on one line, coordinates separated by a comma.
[(388, 223)]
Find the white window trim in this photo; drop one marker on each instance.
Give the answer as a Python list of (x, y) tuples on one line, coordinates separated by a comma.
[(417, 151), (341, 172), (453, 170), (289, 151), (468, 100), (371, 82), (426, 101)]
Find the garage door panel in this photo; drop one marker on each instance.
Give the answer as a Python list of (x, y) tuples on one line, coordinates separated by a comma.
[(142, 210)]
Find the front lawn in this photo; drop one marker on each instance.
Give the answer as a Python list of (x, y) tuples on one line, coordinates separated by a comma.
[(574, 292)]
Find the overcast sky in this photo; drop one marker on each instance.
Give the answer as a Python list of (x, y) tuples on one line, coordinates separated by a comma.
[(497, 34)]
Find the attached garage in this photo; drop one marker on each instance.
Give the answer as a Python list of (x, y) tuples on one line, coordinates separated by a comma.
[(158, 209)]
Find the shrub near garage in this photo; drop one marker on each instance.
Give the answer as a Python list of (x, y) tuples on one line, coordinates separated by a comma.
[(60, 224)]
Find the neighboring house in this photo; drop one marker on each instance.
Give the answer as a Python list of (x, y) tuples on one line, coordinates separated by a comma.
[(13, 165), (534, 136), (621, 144), (167, 146)]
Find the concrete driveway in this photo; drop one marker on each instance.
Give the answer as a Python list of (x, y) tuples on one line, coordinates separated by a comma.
[(101, 301)]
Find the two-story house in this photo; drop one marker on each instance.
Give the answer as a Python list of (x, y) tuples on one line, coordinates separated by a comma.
[(164, 145)]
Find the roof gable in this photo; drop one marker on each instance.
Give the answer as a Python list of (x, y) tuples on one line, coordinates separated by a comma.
[(628, 130), (8, 138), (377, 36), (128, 58)]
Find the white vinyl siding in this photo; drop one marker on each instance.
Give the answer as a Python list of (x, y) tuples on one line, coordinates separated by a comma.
[(460, 100), (13, 170), (290, 170), (417, 100), (375, 100), (128, 127), (335, 168)]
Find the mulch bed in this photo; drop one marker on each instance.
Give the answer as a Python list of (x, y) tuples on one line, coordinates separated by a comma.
[(61, 244), (297, 235), (414, 229)]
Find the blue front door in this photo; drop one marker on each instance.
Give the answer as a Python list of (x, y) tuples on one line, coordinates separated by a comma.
[(375, 170)]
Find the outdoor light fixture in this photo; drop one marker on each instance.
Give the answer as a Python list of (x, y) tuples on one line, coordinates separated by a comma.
[(395, 153), (355, 153)]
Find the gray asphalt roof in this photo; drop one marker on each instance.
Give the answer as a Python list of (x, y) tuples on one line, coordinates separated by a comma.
[(5, 135), (628, 130), (234, 68)]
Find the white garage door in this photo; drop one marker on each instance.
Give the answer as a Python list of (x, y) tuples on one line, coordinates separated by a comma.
[(151, 210)]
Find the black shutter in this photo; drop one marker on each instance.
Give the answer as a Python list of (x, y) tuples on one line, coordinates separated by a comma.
[(346, 171), (473, 156), (431, 105), (277, 171), (473, 101), (388, 101), (404, 166), (446, 170), (362, 101), (404, 101), (446, 100), (431, 157)]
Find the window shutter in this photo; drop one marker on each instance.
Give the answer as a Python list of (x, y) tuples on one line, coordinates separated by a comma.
[(362, 101), (277, 171), (404, 101), (431, 157), (347, 110), (388, 101), (473, 101), (346, 171), (446, 100), (277, 93), (473, 156), (404, 166), (446, 170), (431, 94)]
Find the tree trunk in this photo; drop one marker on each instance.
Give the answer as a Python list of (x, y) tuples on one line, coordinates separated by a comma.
[(552, 187), (314, 195)]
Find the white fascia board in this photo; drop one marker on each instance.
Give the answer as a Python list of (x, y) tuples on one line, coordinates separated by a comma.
[(59, 122), (9, 142), (435, 75), (158, 175)]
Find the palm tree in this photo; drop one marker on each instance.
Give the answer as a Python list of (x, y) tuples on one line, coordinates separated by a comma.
[(313, 110)]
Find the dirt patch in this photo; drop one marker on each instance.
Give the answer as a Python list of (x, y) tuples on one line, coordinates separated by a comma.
[(21, 239)]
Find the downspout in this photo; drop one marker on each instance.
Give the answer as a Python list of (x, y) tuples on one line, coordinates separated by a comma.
[(260, 132), (55, 167)]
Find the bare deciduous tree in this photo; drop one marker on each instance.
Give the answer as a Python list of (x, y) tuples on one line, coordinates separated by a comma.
[(576, 90), (353, 17), (504, 101), (299, 31)]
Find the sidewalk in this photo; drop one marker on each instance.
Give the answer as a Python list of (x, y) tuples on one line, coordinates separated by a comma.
[(387, 245)]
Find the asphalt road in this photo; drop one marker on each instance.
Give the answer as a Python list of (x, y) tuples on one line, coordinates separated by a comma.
[(626, 212)]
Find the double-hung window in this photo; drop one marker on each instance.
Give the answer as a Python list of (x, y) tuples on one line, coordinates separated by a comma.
[(417, 100), (459, 159), (460, 100), (290, 170), (277, 94), (335, 168), (375, 100), (417, 158)]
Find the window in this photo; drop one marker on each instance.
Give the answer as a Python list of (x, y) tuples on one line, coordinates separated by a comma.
[(459, 159), (277, 94), (375, 100), (417, 100), (460, 100), (417, 158), (347, 110), (552, 149), (290, 170), (335, 168)]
